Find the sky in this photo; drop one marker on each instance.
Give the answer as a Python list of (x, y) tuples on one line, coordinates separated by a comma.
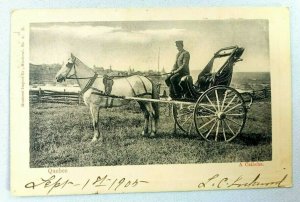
[(138, 44)]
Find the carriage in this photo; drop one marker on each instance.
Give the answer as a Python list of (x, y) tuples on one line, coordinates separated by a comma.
[(208, 107), (214, 110)]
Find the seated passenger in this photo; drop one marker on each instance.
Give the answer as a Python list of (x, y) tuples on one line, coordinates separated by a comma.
[(180, 69)]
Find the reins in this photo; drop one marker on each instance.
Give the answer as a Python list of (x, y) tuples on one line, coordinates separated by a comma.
[(118, 76)]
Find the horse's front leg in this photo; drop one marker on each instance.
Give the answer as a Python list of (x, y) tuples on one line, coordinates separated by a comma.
[(152, 126), (95, 118)]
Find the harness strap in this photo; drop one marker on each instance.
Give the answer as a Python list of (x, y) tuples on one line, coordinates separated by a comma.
[(131, 87), (96, 89), (106, 102), (89, 84), (143, 84), (109, 102)]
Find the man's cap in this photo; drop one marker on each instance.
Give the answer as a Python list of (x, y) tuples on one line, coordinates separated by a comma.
[(179, 42)]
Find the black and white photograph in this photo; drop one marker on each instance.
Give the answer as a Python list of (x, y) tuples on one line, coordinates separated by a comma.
[(117, 101), (149, 92)]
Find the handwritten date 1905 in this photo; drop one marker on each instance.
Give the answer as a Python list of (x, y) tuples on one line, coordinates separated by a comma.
[(107, 183)]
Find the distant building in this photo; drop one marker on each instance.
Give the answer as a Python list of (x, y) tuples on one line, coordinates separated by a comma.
[(98, 69), (130, 70)]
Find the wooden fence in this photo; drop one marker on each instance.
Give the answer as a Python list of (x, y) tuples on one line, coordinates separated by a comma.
[(49, 96), (261, 94)]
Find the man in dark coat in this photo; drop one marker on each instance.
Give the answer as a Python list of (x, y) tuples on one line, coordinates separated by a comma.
[(180, 69)]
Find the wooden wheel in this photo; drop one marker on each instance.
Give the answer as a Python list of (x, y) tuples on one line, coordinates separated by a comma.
[(184, 117), (220, 114)]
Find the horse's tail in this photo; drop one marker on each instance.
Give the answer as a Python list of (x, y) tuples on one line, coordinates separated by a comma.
[(155, 95)]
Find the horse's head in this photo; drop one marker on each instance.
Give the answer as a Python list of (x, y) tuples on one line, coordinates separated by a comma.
[(66, 70)]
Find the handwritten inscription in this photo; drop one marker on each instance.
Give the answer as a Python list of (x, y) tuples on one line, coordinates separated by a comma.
[(219, 182), (100, 183)]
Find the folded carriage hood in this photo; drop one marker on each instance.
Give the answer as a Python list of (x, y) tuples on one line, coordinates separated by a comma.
[(239, 52)]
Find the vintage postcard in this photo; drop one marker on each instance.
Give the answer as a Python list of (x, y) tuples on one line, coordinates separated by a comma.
[(149, 100)]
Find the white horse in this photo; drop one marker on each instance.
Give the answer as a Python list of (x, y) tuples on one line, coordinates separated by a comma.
[(100, 92)]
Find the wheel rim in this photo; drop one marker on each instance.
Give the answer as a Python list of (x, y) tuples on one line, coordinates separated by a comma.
[(220, 114), (184, 119)]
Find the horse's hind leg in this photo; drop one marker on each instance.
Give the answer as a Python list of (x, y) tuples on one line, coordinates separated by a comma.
[(95, 118), (152, 119), (155, 108), (146, 117)]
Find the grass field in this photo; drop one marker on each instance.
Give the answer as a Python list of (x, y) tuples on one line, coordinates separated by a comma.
[(60, 135)]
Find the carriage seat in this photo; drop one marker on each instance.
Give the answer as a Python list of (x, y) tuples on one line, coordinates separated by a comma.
[(191, 90)]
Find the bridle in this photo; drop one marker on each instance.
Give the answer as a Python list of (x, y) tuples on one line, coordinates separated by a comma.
[(70, 69), (74, 76)]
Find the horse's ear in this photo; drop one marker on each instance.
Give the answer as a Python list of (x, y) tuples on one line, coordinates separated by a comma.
[(72, 56)]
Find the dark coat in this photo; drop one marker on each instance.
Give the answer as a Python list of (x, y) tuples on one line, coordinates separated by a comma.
[(182, 63)]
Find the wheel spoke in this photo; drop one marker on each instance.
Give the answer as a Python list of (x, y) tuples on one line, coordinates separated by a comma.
[(230, 102), (208, 116), (224, 100), (211, 129), (210, 102), (233, 108), (187, 119), (207, 123), (190, 128), (208, 109), (235, 114), (217, 97), (234, 122), (217, 131), (229, 128), (178, 115)]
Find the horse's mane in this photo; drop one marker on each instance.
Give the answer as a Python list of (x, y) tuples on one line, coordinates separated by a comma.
[(78, 62)]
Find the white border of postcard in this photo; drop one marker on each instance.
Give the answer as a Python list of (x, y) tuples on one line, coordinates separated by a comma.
[(150, 178)]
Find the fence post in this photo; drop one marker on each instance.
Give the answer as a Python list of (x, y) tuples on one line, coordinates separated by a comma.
[(65, 95), (79, 100), (265, 92), (39, 95)]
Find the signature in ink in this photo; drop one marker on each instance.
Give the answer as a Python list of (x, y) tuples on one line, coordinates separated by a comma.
[(217, 181)]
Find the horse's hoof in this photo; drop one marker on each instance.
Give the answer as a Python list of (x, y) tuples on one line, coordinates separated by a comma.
[(152, 134), (98, 141), (144, 134)]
